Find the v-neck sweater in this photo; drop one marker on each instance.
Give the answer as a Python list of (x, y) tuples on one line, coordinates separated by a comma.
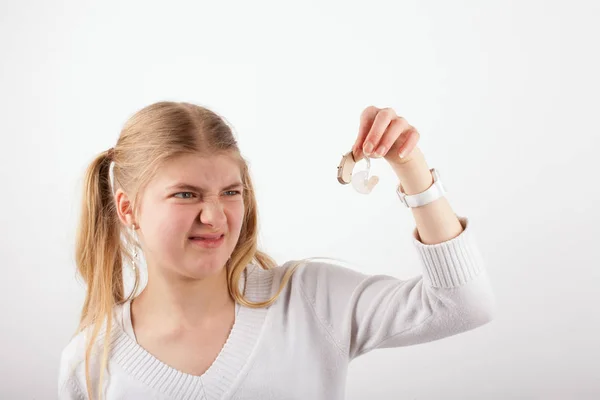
[(300, 346)]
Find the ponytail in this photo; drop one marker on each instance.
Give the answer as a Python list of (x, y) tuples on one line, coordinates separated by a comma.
[(98, 258)]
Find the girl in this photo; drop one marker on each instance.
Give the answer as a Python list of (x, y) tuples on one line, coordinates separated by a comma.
[(218, 318)]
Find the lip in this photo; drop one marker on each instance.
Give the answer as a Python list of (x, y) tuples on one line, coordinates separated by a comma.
[(209, 235), (208, 243)]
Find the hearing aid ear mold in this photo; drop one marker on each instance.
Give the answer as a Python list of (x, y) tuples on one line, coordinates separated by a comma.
[(360, 180)]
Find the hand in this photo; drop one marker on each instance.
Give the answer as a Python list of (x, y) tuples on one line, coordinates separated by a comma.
[(382, 127)]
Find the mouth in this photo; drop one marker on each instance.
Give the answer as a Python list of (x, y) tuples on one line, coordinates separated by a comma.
[(208, 241), (208, 237)]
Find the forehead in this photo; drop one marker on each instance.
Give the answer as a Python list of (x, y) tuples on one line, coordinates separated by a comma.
[(198, 170)]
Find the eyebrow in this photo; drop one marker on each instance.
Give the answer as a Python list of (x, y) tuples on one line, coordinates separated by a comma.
[(187, 186)]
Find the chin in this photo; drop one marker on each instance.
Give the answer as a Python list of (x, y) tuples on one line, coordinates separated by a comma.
[(206, 268)]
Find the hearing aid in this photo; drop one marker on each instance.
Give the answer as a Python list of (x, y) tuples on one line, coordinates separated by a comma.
[(361, 182)]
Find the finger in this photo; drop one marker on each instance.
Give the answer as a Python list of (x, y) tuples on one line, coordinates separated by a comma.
[(382, 120), (391, 136), (366, 120), (409, 145)]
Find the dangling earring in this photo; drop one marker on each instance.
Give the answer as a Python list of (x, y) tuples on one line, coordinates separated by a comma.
[(135, 249)]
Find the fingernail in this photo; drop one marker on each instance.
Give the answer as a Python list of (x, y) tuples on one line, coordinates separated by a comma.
[(368, 148), (380, 151), (402, 154)]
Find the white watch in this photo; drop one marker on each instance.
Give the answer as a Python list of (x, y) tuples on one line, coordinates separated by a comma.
[(435, 191)]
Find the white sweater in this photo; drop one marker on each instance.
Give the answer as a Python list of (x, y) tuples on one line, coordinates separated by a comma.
[(300, 346)]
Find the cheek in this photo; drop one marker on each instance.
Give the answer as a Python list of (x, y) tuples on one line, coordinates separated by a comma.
[(166, 225), (236, 217)]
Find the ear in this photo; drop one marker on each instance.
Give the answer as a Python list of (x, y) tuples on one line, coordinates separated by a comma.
[(124, 208)]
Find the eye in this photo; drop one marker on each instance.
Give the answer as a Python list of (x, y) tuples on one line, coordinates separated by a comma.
[(235, 192), (184, 193)]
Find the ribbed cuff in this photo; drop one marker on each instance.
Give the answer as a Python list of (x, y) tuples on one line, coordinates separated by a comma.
[(452, 263)]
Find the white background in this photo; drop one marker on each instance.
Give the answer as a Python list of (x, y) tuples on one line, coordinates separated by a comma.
[(505, 95)]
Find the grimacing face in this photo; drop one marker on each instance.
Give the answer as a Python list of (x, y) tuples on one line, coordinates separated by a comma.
[(188, 197)]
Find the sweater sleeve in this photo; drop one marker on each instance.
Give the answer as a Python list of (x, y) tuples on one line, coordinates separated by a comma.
[(365, 312)]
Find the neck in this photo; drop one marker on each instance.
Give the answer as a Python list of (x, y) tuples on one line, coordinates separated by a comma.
[(175, 303)]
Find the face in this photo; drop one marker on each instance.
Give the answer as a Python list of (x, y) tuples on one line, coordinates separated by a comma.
[(191, 196)]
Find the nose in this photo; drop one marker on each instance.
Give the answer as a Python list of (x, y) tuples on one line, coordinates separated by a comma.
[(211, 213)]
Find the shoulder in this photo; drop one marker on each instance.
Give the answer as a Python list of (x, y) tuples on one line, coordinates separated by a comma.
[(317, 277), (72, 357), (311, 280), (71, 367)]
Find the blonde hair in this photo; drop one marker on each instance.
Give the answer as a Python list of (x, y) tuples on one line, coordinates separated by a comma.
[(152, 136)]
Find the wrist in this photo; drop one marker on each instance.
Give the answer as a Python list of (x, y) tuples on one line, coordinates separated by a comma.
[(414, 175)]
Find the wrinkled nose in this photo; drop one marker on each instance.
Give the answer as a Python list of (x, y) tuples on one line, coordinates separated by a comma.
[(212, 213)]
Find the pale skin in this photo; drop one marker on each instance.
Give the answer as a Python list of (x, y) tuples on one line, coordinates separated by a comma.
[(186, 307), (390, 136)]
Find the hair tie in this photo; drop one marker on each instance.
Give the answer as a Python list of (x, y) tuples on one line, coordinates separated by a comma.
[(111, 153)]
